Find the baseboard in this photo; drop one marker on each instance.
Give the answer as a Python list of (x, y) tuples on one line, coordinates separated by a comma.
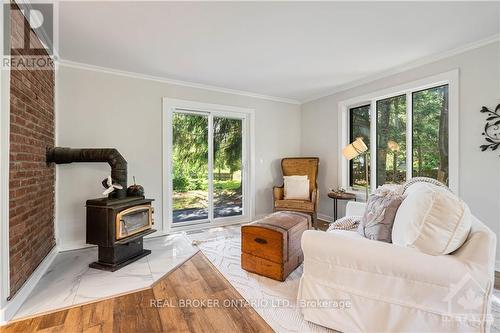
[(10, 309), (325, 218), (74, 246)]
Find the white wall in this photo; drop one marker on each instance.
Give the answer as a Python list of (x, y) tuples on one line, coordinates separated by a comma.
[(479, 172), (96, 109)]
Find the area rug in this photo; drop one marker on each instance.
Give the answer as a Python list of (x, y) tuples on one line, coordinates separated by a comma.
[(274, 301)]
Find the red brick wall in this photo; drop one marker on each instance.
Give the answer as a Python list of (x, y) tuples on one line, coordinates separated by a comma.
[(31, 183)]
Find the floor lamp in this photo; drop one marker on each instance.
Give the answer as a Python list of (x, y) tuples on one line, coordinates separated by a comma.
[(355, 149)]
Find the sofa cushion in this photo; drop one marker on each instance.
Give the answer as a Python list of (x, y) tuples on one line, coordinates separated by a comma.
[(378, 218), (296, 187), (431, 219), (305, 205)]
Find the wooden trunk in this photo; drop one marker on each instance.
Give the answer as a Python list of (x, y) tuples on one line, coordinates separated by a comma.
[(271, 246)]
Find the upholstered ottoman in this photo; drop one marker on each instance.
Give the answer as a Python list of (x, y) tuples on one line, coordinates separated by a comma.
[(271, 246)]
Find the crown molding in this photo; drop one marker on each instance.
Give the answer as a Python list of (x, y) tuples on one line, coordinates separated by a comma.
[(340, 88), (407, 66), (135, 75)]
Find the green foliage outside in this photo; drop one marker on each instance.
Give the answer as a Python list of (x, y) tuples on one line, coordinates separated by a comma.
[(196, 184), (430, 133), (190, 162), (391, 140), (429, 139)]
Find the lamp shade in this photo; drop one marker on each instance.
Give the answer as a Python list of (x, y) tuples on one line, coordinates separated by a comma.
[(354, 149)]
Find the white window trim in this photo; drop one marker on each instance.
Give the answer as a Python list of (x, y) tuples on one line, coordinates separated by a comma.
[(450, 78), (170, 105)]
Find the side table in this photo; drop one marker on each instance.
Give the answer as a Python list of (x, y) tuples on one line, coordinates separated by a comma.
[(340, 196)]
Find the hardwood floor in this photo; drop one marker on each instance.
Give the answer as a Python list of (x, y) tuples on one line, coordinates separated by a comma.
[(321, 225), (197, 280)]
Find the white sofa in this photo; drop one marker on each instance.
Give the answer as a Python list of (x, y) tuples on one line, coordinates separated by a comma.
[(382, 287)]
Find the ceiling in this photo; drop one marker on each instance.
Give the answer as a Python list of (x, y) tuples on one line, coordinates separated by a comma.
[(292, 50)]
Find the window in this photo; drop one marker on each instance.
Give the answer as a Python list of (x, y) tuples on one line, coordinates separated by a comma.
[(409, 132), (359, 123), (206, 170), (190, 167), (430, 133), (391, 140), (207, 166)]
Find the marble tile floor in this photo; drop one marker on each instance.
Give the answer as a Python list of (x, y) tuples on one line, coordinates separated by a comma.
[(69, 281)]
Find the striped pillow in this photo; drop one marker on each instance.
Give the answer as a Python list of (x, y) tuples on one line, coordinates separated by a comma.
[(345, 223), (423, 180)]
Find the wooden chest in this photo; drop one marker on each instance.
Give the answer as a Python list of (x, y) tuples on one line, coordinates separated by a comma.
[(271, 246)]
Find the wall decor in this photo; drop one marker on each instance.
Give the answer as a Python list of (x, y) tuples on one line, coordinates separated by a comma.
[(491, 131)]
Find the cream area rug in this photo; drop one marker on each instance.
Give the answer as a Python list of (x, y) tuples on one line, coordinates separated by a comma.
[(274, 301)]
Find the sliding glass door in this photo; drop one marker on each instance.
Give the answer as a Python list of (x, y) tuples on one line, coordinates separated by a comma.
[(190, 167), (227, 167), (207, 173)]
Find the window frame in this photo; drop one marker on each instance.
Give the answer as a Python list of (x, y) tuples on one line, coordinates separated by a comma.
[(171, 106), (351, 138), (450, 78)]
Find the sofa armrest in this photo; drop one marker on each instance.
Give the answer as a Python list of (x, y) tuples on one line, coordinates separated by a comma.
[(278, 192), (354, 208), (349, 250), (479, 249)]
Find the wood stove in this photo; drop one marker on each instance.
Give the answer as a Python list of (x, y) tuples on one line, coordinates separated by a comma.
[(117, 227), (117, 223)]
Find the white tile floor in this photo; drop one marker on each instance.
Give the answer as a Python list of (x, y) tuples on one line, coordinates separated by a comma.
[(69, 280)]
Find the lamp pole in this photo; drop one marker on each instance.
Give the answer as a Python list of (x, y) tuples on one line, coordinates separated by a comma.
[(365, 157)]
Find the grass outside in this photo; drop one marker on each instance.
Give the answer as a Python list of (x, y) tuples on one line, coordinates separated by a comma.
[(224, 191)]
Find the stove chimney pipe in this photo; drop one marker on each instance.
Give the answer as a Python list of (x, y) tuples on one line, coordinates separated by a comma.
[(63, 155)]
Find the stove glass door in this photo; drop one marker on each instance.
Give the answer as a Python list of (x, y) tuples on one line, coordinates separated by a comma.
[(133, 220)]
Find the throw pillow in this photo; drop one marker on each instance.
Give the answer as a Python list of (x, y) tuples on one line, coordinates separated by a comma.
[(296, 187), (381, 208), (431, 219), (345, 223)]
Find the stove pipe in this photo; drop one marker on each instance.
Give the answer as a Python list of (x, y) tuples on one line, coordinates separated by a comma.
[(63, 155)]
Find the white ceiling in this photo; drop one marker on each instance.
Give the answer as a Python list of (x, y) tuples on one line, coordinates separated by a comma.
[(291, 50)]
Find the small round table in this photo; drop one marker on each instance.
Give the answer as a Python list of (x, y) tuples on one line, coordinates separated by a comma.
[(340, 196)]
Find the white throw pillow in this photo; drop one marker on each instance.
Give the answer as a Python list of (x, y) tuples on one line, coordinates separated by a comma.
[(431, 219), (296, 187)]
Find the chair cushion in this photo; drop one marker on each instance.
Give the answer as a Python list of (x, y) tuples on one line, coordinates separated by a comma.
[(431, 219), (296, 187), (303, 205)]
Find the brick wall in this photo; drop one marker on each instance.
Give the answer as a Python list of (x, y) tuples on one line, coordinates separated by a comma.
[(31, 183)]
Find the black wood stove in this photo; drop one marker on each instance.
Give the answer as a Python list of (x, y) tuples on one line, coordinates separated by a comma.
[(117, 227), (117, 223)]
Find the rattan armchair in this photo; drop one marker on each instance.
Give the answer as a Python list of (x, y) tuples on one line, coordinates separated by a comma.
[(300, 166)]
